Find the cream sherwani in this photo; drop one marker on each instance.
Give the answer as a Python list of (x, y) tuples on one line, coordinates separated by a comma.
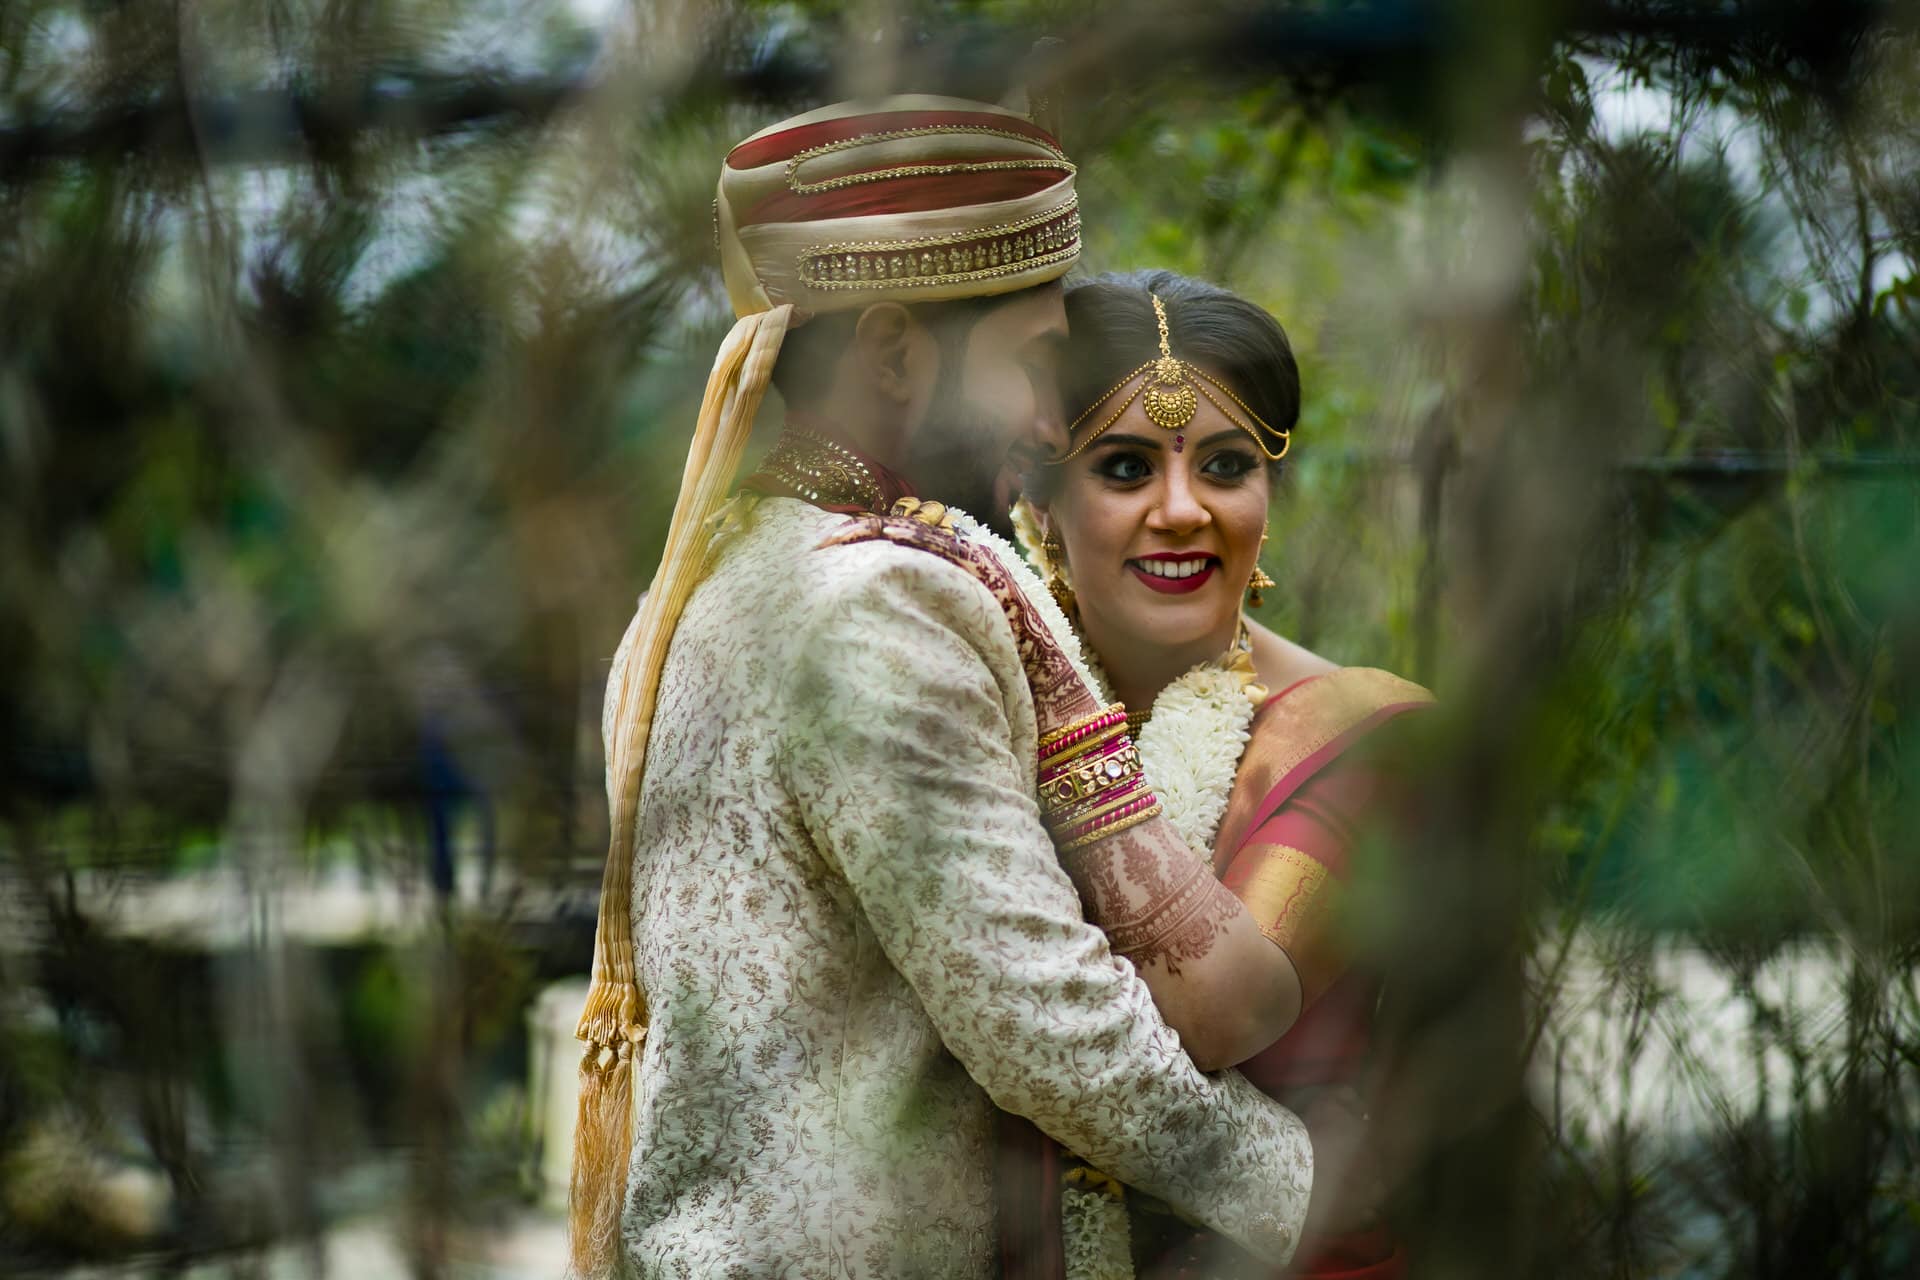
[(855, 939)]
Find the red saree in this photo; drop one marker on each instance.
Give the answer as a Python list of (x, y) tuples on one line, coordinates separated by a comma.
[(1308, 781)]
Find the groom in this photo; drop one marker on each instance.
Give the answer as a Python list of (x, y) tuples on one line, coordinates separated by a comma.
[(836, 932)]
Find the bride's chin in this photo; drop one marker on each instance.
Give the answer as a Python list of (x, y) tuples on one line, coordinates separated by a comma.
[(1174, 626)]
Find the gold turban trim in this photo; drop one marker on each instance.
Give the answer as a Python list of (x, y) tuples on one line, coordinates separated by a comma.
[(908, 199)]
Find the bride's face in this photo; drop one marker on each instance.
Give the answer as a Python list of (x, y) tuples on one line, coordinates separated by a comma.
[(1160, 541)]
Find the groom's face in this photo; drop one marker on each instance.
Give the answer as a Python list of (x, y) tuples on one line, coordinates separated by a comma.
[(995, 410)]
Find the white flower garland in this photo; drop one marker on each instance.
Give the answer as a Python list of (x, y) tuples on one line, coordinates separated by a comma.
[(1191, 744), (1096, 1243), (1191, 747)]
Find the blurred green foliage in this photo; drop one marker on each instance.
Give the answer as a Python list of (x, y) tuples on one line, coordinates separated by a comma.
[(338, 432)]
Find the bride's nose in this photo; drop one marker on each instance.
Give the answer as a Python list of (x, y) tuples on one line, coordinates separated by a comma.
[(1179, 509)]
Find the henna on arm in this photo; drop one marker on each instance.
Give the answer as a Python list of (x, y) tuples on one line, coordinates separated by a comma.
[(1217, 980), (1157, 902)]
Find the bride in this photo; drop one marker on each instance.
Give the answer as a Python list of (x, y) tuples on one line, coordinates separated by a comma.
[(1149, 531)]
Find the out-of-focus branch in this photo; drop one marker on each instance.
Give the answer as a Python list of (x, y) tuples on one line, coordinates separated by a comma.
[(272, 124), (1379, 45), (1703, 467)]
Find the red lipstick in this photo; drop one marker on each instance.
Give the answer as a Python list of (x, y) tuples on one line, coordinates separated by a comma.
[(1167, 584)]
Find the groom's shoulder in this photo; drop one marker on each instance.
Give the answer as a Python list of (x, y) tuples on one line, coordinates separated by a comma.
[(923, 527), (909, 559), (915, 535)]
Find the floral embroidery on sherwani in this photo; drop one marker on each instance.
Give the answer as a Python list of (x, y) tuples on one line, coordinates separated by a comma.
[(855, 938)]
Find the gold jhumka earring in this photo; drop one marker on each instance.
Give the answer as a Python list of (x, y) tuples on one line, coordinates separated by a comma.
[(1259, 582), (1057, 585)]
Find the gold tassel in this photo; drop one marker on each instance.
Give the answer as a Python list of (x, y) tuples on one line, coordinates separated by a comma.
[(603, 1143), (614, 1022)]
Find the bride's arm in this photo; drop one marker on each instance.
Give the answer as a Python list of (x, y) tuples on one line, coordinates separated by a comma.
[(1233, 989), (1216, 978)]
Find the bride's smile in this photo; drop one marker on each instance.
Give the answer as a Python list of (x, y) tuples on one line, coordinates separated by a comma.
[(1175, 572)]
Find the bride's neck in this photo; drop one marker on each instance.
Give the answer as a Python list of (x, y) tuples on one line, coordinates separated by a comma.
[(1139, 671)]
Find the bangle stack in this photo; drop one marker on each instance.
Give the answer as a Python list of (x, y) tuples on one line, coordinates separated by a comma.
[(1091, 783)]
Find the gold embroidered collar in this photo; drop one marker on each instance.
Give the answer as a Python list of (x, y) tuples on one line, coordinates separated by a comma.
[(828, 474)]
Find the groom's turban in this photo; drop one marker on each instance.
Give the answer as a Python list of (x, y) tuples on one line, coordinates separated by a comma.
[(908, 199), (913, 199)]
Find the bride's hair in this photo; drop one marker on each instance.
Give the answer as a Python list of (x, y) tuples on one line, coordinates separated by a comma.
[(1113, 332)]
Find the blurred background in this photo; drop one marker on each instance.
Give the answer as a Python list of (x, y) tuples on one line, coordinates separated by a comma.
[(348, 353)]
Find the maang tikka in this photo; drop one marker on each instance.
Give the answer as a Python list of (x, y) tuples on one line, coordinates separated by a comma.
[(1169, 389)]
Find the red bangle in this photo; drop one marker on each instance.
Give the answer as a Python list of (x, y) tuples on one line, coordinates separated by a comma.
[(1063, 740)]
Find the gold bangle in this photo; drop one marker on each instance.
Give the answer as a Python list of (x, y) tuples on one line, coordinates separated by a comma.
[(1113, 829), (1067, 789), (1083, 746), (1100, 810)]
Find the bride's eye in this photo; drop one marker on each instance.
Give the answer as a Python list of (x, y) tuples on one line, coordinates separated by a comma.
[(1229, 464), (1123, 467)]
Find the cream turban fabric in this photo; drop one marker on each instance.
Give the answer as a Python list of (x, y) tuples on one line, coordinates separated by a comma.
[(907, 199), (919, 199)]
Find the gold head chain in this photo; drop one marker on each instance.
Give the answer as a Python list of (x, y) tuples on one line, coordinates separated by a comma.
[(1170, 389)]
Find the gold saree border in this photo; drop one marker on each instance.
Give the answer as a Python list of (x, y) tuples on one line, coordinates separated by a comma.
[(1293, 898)]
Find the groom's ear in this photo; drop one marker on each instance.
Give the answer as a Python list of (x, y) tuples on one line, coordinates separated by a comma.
[(888, 343)]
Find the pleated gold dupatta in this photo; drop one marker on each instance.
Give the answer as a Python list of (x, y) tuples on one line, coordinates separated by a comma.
[(614, 1022)]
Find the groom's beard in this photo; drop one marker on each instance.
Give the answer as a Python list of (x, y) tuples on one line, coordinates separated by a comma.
[(958, 457)]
